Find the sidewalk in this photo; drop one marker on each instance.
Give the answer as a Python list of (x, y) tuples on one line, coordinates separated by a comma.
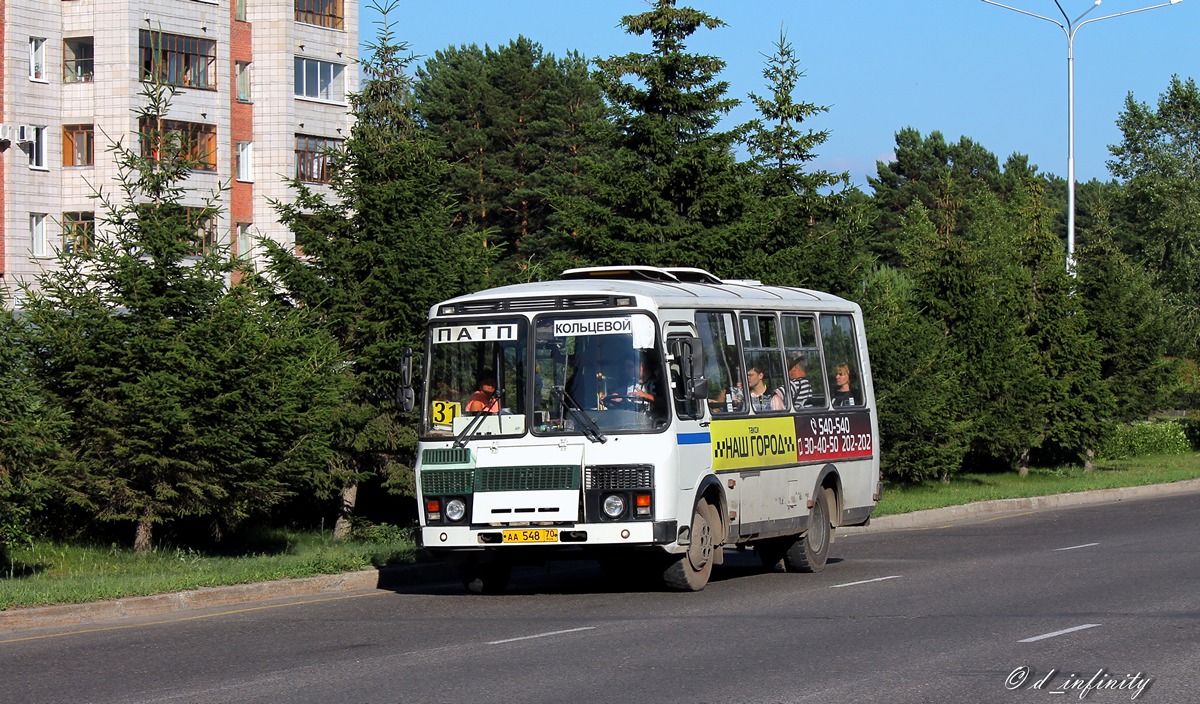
[(426, 573)]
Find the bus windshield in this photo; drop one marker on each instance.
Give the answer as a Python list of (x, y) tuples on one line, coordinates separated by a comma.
[(605, 371), (476, 368)]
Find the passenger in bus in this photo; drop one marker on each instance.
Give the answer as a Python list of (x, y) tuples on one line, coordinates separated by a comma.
[(761, 398), (843, 377), (484, 400), (798, 379)]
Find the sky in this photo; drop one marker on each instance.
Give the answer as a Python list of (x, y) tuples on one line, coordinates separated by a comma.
[(960, 67)]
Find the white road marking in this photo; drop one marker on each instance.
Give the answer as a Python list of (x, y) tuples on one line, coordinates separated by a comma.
[(1059, 633), (542, 635), (1076, 547), (865, 581)]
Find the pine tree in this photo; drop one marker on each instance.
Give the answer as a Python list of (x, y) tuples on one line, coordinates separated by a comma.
[(184, 397), (513, 124), (374, 258), (944, 177), (1159, 158)]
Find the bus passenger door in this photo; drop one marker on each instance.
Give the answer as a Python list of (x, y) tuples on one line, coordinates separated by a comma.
[(691, 407)]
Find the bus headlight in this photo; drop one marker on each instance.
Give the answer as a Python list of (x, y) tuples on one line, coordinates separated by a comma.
[(455, 510), (614, 505)]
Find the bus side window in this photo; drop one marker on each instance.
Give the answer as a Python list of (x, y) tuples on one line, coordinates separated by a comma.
[(803, 358), (767, 390), (722, 367), (841, 360)]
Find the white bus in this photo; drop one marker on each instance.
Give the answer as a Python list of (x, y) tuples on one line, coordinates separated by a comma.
[(650, 416)]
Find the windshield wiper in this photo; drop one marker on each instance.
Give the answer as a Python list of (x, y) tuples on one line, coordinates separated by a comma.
[(468, 433), (588, 426)]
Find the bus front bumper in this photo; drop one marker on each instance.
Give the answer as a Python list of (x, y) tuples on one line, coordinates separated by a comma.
[(577, 535)]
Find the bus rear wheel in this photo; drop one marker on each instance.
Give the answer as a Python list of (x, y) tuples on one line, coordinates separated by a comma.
[(809, 552), (690, 571)]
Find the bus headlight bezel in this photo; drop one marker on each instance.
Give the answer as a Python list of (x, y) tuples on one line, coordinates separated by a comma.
[(455, 509), (614, 505)]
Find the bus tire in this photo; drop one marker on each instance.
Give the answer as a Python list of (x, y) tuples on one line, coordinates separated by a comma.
[(770, 553), (809, 552), (485, 577), (690, 571)]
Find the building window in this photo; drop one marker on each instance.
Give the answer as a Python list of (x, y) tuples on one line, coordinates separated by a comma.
[(37, 58), (312, 162), (188, 141), (37, 234), (79, 62), (243, 81), (319, 80), (79, 231), (37, 149), (244, 242), (79, 145), (240, 10), (244, 164), (323, 13), (179, 61), (205, 228)]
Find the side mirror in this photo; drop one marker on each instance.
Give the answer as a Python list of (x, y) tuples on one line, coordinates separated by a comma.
[(405, 397), (690, 355)]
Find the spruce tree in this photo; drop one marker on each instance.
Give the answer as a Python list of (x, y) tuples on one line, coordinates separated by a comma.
[(1129, 319), (1074, 404), (184, 397), (371, 261), (795, 230), (30, 429), (971, 285), (671, 190), (918, 382)]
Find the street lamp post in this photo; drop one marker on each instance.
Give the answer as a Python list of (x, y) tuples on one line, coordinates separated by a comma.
[(1071, 27)]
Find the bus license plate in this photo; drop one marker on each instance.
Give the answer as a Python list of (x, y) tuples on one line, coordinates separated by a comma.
[(532, 535)]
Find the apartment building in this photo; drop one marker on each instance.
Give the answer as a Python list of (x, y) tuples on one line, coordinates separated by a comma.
[(263, 88)]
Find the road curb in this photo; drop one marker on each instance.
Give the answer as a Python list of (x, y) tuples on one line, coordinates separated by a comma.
[(209, 597), (935, 517), (426, 573)]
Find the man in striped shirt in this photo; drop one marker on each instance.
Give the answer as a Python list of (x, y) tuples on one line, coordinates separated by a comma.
[(798, 378)]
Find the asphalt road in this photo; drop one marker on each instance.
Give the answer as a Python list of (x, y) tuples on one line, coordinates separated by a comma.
[(1096, 603)]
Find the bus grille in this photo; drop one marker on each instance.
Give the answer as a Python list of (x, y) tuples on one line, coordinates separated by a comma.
[(526, 478), (446, 455), (619, 476), (441, 482)]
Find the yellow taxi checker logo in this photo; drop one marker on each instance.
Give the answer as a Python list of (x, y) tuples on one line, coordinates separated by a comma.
[(756, 442)]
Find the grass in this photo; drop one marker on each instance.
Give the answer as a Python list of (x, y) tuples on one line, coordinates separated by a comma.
[(1108, 474), (55, 573)]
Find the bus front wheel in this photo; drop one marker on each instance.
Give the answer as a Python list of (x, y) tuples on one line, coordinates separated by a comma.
[(690, 571), (485, 576), (809, 552)]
